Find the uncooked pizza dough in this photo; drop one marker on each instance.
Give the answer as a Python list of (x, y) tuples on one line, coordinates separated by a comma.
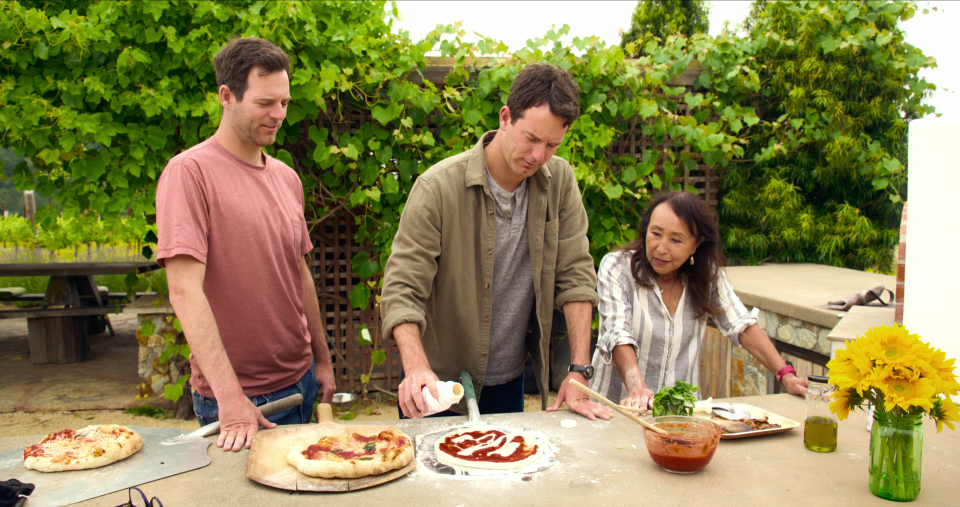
[(488, 448)]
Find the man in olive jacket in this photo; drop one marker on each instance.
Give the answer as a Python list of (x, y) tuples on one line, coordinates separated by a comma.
[(489, 243)]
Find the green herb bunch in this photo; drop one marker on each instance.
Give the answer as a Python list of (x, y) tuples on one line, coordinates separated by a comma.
[(676, 400)]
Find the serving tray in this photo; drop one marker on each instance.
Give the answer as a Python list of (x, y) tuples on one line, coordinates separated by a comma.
[(755, 413)]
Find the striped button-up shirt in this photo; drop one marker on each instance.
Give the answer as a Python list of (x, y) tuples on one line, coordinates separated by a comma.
[(667, 347)]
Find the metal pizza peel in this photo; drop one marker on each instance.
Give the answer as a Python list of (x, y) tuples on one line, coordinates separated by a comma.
[(426, 442), (165, 452), (150, 463)]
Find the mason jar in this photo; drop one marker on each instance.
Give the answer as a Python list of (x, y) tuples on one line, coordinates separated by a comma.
[(820, 426)]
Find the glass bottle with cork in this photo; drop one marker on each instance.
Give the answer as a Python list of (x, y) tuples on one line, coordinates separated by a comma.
[(820, 426)]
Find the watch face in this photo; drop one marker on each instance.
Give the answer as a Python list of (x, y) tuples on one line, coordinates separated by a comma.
[(589, 372)]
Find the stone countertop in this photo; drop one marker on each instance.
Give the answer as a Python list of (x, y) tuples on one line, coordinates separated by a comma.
[(801, 290), (860, 319), (600, 463)]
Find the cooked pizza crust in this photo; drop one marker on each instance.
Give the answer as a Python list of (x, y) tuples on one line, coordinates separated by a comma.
[(451, 460), (331, 466), (90, 447)]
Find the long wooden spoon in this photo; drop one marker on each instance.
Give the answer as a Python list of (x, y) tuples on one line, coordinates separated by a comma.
[(618, 408)]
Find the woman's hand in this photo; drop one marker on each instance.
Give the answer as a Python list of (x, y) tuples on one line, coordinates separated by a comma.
[(795, 385), (641, 398)]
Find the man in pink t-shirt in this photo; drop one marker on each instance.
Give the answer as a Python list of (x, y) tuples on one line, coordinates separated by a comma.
[(232, 237)]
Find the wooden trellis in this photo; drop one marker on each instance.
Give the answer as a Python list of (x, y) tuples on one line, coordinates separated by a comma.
[(333, 249)]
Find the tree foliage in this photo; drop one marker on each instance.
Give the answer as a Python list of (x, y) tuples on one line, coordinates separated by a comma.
[(100, 95), (662, 18), (838, 86)]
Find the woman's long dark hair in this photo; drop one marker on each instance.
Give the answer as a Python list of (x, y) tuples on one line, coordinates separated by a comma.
[(708, 258)]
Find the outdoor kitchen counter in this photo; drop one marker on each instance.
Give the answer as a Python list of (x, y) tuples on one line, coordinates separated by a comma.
[(600, 463)]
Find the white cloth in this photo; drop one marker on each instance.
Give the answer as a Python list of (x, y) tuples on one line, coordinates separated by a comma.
[(667, 347)]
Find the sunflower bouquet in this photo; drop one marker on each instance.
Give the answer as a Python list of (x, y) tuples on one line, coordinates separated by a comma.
[(904, 378)]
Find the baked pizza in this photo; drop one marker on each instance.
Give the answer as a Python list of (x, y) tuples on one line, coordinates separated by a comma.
[(352, 455), (487, 448), (90, 447)]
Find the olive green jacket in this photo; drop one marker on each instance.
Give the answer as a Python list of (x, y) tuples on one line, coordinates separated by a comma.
[(440, 272)]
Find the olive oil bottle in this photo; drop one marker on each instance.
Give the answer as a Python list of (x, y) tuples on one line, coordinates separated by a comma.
[(820, 427), (820, 434)]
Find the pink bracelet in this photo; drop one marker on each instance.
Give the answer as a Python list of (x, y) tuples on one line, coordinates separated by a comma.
[(783, 371)]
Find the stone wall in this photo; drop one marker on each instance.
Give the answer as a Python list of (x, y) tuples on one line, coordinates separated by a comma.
[(155, 374), (749, 377)]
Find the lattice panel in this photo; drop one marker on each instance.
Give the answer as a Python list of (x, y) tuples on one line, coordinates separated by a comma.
[(702, 177), (333, 250)]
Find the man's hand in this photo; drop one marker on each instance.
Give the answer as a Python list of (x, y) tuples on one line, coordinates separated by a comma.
[(795, 385), (328, 384), (238, 424), (577, 401), (411, 392)]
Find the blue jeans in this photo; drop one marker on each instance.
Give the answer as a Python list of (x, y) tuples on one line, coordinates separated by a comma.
[(208, 412), (505, 398)]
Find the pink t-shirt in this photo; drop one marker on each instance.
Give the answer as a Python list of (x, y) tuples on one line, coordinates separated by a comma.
[(246, 224)]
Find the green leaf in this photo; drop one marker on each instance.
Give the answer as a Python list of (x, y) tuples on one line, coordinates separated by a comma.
[(349, 415), (648, 108), (352, 152), (612, 191), (360, 297), (389, 183), (41, 51), (693, 100), (365, 379), (472, 117), (378, 357), (879, 183), (285, 157), (365, 337), (830, 44), (155, 137), (363, 266), (751, 119), (147, 328), (173, 392)]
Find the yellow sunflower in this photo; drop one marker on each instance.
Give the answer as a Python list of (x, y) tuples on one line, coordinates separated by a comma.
[(941, 369), (900, 372), (844, 400), (944, 412), (893, 346), (907, 394), (852, 367)]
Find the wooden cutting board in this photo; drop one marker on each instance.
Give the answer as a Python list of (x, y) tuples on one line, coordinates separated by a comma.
[(267, 462)]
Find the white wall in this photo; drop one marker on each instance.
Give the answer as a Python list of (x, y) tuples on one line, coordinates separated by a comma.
[(932, 276)]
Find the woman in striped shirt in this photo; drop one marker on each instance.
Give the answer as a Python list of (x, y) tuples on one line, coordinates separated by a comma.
[(656, 296)]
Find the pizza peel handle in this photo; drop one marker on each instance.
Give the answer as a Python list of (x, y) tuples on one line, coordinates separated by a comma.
[(471, 396), (266, 409), (325, 413)]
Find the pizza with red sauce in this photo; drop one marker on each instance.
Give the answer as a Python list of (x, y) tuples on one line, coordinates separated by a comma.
[(352, 455), (488, 448), (90, 447)]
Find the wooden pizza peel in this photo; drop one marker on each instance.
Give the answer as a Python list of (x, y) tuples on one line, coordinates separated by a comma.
[(426, 443), (267, 462)]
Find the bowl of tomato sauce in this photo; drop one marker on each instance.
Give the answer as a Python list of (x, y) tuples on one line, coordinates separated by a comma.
[(689, 446)]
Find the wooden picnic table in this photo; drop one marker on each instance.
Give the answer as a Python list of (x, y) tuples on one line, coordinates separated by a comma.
[(59, 335)]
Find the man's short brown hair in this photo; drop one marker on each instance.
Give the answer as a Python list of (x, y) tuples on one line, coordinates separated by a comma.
[(540, 83), (233, 63)]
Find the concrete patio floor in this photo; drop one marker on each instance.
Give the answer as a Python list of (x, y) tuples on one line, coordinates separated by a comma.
[(107, 380)]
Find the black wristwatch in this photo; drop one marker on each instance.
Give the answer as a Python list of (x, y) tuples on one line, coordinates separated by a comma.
[(587, 370)]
